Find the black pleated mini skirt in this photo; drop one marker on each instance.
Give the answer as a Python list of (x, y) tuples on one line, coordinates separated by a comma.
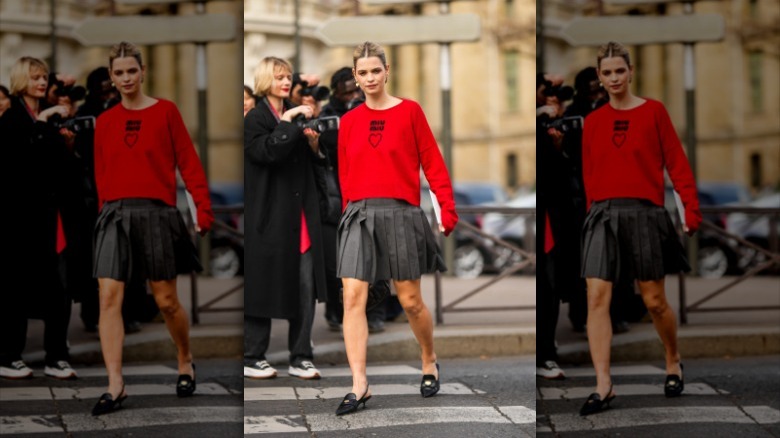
[(143, 239), (384, 239), (630, 239)]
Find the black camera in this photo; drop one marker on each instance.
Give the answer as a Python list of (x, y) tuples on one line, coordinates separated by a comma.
[(319, 125), (76, 124), (563, 124), (317, 92), (562, 92), (74, 92)]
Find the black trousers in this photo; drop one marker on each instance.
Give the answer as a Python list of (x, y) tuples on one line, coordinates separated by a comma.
[(13, 327), (548, 306), (257, 331)]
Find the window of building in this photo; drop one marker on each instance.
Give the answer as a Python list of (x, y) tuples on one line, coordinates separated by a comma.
[(755, 59), (511, 75), (512, 177), (755, 171)]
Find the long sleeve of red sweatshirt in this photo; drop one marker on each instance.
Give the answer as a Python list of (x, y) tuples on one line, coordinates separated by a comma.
[(380, 153), (624, 153), (137, 153)]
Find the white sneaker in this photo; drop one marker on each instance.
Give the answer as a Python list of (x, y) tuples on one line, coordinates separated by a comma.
[(259, 370), (60, 370), (550, 370), (305, 370), (16, 370)]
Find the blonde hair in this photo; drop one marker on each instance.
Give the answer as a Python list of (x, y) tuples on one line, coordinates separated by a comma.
[(122, 50), (264, 73), (610, 50), (368, 50), (21, 72)]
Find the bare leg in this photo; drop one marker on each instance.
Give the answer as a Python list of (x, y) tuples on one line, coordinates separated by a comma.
[(420, 320), (664, 320), (600, 332), (176, 320), (112, 332), (355, 328)]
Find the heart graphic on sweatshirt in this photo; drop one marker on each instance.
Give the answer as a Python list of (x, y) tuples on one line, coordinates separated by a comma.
[(131, 138), (375, 139), (618, 139)]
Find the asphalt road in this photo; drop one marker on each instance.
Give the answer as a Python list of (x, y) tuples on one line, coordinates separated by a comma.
[(724, 397), (490, 397), (46, 407)]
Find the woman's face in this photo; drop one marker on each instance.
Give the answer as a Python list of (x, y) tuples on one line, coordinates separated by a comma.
[(249, 102), (36, 86), (280, 87), (371, 75), (127, 75), (615, 74)]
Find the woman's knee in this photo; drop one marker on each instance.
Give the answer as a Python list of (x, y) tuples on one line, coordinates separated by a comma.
[(168, 305), (656, 305), (354, 297), (413, 305)]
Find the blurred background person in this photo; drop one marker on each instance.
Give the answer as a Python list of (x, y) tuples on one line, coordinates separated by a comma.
[(249, 99), (5, 99), (284, 244), (558, 261), (38, 155)]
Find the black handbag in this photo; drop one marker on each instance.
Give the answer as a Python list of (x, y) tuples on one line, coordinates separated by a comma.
[(377, 294)]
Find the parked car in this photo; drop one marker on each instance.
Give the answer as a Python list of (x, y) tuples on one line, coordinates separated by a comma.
[(227, 249), (511, 228), (755, 229), (717, 255), (473, 253)]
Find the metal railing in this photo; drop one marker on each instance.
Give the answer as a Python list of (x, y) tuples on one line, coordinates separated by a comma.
[(197, 309), (526, 258), (772, 259)]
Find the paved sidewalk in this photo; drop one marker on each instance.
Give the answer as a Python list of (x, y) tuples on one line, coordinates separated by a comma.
[(220, 334), (707, 334)]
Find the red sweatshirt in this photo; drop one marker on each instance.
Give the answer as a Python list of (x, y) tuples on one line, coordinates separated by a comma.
[(624, 153), (137, 153), (380, 153)]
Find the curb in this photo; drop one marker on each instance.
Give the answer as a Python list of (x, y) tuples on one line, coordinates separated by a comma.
[(156, 345), (450, 343), (693, 343)]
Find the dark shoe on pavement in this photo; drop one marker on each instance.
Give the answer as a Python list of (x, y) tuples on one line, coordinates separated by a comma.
[(60, 370), (185, 385), (550, 370), (333, 323), (674, 385), (15, 370), (106, 404), (376, 326), (595, 404), (305, 370), (351, 403), (430, 384), (132, 327), (620, 327)]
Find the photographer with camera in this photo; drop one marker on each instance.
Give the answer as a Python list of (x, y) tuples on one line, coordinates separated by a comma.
[(284, 200), (558, 257), (37, 146)]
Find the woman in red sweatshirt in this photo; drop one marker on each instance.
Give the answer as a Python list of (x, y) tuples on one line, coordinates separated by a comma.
[(383, 234), (628, 235), (139, 144)]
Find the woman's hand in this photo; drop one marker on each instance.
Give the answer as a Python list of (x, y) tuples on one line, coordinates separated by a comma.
[(314, 139), (69, 136), (62, 110), (305, 110)]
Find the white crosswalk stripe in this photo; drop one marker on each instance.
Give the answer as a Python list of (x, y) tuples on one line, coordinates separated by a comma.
[(375, 418), (17, 420), (122, 419), (630, 417), (393, 389)]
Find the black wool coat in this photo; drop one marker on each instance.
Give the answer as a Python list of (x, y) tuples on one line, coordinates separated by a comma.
[(42, 179), (281, 176)]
